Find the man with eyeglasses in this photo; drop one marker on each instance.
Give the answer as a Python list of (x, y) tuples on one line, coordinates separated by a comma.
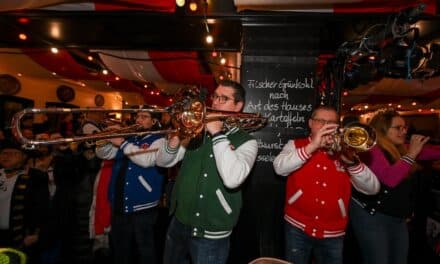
[(206, 198), (318, 191), (135, 189)]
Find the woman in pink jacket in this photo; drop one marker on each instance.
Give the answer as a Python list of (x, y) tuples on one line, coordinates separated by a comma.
[(379, 221)]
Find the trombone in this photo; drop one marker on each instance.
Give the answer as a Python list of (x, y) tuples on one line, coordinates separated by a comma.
[(188, 118)]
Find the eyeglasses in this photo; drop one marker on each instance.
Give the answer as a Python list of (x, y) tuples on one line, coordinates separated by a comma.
[(324, 122), (400, 128), (221, 99)]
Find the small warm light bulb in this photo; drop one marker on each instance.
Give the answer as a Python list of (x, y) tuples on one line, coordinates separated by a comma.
[(209, 39), (117, 78), (19, 74), (54, 73), (214, 54), (54, 50), (390, 104), (180, 3), (345, 93), (366, 106), (171, 99), (432, 110), (90, 58), (413, 103), (221, 77), (145, 85), (223, 61), (399, 106), (105, 72), (420, 110), (193, 6), (22, 36)]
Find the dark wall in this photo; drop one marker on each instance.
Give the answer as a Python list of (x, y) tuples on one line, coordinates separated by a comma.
[(278, 67)]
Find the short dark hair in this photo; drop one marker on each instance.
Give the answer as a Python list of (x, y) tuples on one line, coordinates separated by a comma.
[(239, 91), (325, 108)]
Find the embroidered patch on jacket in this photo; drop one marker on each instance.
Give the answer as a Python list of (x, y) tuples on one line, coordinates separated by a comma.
[(339, 166), (145, 146)]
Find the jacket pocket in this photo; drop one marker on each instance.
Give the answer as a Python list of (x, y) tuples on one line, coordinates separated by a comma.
[(144, 183), (223, 201), (295, 196), (342, 208)]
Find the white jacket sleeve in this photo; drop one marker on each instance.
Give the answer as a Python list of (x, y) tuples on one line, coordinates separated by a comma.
[(107, 151), (363, 179), (168, 157), (142, 157), (234, 165), (289, 159)]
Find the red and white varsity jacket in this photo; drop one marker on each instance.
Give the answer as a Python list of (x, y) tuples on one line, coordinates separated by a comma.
[(319, 188)]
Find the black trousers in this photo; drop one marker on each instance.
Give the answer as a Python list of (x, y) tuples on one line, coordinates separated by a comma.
[(132, 237)]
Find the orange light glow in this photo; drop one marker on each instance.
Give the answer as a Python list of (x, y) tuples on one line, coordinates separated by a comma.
[(193, 6), (22, 36)]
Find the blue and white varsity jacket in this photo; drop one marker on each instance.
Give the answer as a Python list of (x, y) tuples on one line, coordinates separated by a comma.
[(143, 179)]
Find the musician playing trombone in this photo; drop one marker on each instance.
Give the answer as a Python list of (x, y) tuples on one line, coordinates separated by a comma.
[(206, 198), (134, 192)]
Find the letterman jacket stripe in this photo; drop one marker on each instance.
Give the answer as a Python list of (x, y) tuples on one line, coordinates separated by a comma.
[(302, 154), (144, 206), (218, 139), (294, 222), (356, 169), (407, 159), (217, 235), (326, 233), (333, 234)]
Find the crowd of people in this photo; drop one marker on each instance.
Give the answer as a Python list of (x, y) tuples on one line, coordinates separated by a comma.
[(83, 203)]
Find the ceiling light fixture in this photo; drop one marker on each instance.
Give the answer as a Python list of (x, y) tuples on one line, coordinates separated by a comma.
[(180, 3)]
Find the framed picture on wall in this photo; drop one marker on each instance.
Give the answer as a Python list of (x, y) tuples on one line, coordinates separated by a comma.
[(9, 105)]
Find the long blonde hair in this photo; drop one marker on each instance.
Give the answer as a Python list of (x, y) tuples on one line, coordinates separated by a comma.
[(381, 122)]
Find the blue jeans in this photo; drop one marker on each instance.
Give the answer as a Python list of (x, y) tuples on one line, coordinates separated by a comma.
[(300, 247), (180, 244), (382, 239), (134, 233)]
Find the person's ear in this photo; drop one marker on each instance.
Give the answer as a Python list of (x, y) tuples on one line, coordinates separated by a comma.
[(239, 106)]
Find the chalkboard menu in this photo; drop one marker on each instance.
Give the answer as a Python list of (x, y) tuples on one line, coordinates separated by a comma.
[(283, 90)]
